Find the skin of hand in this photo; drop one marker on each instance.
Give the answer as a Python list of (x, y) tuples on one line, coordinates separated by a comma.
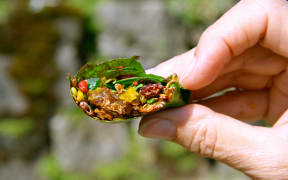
[(247, 48)]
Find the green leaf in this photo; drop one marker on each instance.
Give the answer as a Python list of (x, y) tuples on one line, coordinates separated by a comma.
[(145, 78), (110, 85), (151, 101), (139, 86), (180, 97), (93, 83), (111, 69)]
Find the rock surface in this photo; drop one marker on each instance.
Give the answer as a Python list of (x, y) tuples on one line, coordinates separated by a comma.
[(19, 170), (66, 56), (12, 102), (138, 28), (81, 144)]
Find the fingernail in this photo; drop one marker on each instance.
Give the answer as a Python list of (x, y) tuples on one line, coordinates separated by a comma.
[(159, 129)]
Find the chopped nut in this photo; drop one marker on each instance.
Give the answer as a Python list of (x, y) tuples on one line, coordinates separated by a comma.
[(102, 114), (163, 96), (119, 88), (151, 90), (143, 99), (86, 108), (74, 82)]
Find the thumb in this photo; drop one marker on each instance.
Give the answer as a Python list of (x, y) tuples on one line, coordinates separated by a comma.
[(281, 126), (254, 150), (200, 130)]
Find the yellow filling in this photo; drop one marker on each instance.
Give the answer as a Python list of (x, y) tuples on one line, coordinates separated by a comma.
[(129, 95), (74, 92), (80, 96)]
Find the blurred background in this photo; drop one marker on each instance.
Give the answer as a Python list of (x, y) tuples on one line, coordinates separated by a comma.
[(43, 135)]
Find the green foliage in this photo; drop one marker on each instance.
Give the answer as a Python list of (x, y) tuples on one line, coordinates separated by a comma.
[(183, 160), (198, 12), (132, 166), (51, 168), (75, 115), (187, 163), (16, 128), (172, 150), (34, 86), (87, 6), (127, 168), (5, 9)]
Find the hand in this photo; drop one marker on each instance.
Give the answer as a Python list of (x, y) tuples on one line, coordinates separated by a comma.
[(247, 48)]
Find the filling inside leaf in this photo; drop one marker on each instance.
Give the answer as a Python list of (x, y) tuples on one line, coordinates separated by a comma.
[(120, 89), (132, 96)]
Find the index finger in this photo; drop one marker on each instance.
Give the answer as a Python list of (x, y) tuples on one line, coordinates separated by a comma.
[(231, 35)]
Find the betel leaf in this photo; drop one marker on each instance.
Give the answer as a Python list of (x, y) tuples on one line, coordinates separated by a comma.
[(144, 78), (111, 69), (180, 96), (93, 83), (110, 85), (139, 86), (151, 101)]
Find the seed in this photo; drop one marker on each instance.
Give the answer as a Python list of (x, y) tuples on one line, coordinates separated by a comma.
[(74, 82), (143, 99), (74, 92), (80, 96), (119, 88)]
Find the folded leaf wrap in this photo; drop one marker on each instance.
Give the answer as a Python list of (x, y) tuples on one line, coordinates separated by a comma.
[(118, 90)]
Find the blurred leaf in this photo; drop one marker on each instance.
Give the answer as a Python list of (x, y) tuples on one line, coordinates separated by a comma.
[(182, 160), (74, 113), (114, 170), (16, 128), (173, 150), (34, 86), (132, 166), (5, 9), (187, 163), (87, 6), (198, 12), (51, 168), (126, 169)]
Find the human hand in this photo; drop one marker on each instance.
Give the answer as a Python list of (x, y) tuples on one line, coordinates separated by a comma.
[(247, 49)]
